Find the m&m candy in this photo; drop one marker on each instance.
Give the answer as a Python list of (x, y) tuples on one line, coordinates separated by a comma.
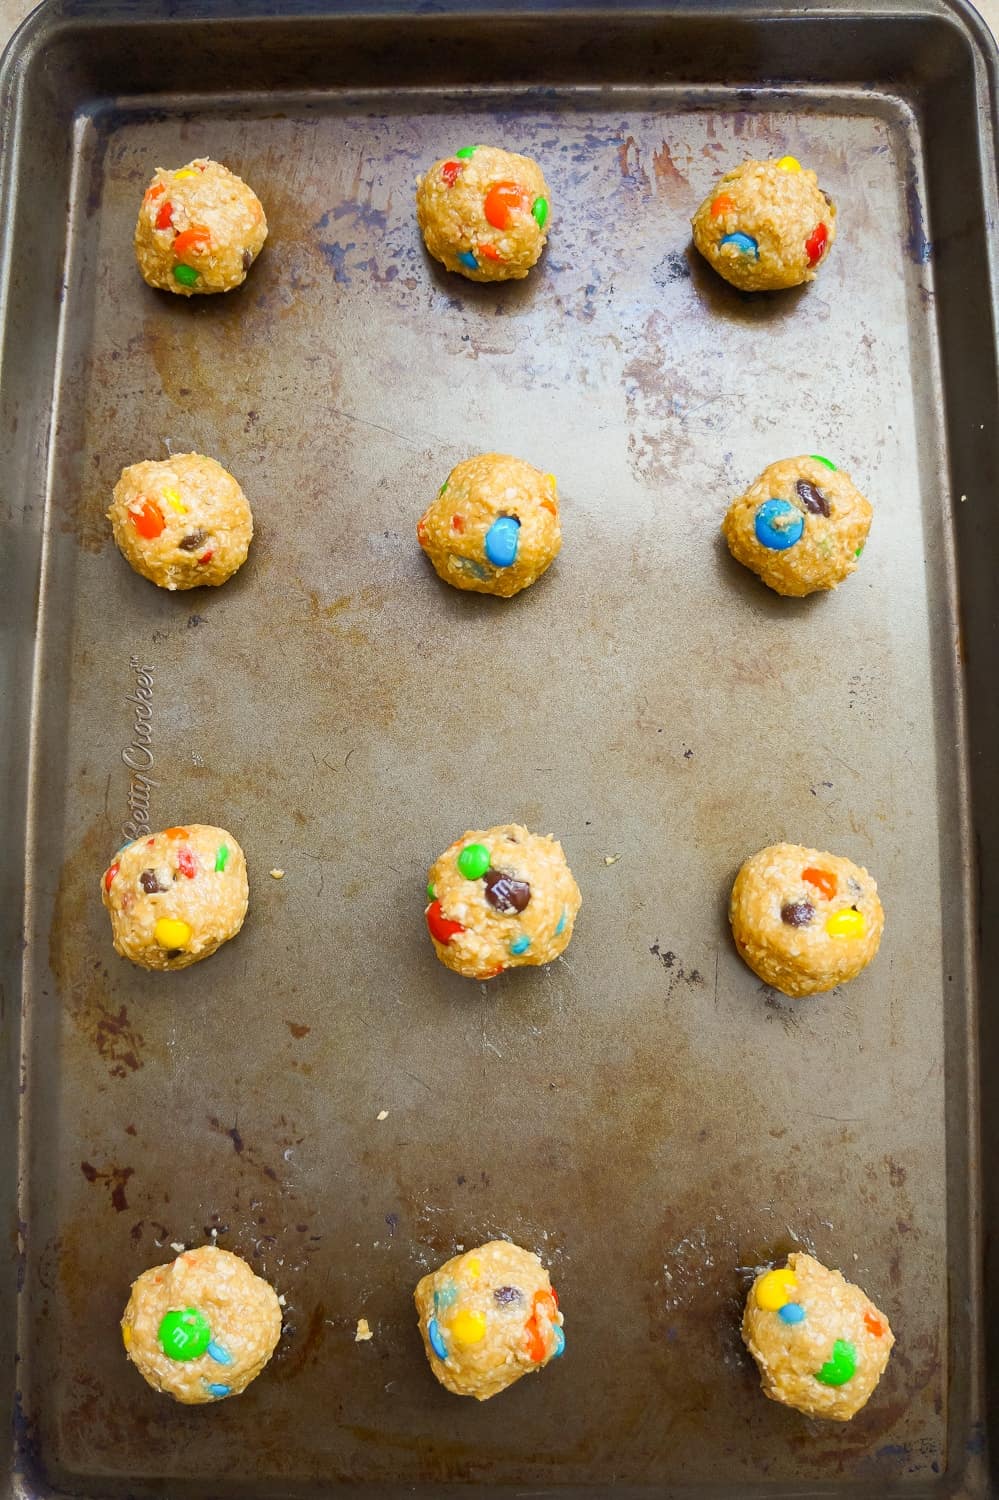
[(436, 1338), (774, 1289), (171, 934), (184, 1334), (744, 243), (468, 1326), (841, 1366), (823, 880), (473, 861), (778, 525), (816, 243), (441, 927), (502, 201), (502, 541), (848, 922)]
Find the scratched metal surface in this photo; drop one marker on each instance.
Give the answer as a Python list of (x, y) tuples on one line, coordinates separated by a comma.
[(643, 1113)]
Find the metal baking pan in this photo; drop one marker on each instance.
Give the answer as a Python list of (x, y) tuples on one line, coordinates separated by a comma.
[(642, 1113)]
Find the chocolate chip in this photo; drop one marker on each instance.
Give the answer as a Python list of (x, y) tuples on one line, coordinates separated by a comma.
[(247, 260), (150, 882), (174, 952), (505, 892), (506, 1294), (797, 913), (192, 541), (812, 499), (827, 198)]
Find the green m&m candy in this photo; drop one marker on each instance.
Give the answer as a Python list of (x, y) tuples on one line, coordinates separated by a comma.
[(473, 861), (184, 1335), (186, 275), (841, 1367)]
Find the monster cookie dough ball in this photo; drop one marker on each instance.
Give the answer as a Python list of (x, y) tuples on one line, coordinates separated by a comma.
[(176, 897), (500, 899), (484, 212), (487, 1318), (202, 1327), (805, 921), (494, 526), (199, 229), (801, 526), (766, 225), (182, 521), (821, 1345)]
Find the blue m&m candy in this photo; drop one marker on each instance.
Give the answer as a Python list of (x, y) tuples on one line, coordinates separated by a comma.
[(792, 1312), (436, 1338), (744, 243), (520, 944), (468, 259), (559, 1348), (779, 525), (502, 540)]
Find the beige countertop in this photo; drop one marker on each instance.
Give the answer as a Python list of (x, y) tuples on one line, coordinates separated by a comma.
[(13, 11)]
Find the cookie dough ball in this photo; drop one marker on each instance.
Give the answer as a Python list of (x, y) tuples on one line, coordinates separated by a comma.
[(500, 899), (177, 896), (805, 921), (800, 527), (484, 213), (487, 1318), (181, 522), (201, 1328), (820, 1343), (494, 526), (766, 225), (199, 229)]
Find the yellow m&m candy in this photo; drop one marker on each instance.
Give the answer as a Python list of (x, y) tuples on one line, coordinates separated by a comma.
[(468, 1327), (789, 164), (846, 923), (172, 934), (774, 1289)]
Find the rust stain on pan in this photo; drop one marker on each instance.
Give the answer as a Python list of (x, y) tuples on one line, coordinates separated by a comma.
[(114, 1178)]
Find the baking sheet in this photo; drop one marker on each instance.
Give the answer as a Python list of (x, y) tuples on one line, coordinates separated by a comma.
[(642, 1113)]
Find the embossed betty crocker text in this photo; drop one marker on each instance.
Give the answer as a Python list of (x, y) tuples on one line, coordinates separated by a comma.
[(138, 756)]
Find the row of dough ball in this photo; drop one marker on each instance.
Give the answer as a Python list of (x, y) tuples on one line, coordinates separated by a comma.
[(203, 1327), (494, 525), (501, 898), (485, 214)]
